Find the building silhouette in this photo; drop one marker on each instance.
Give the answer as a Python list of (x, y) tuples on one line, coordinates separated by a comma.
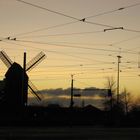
[(14, 86)]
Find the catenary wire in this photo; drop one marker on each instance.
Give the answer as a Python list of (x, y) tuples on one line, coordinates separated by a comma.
[(77, 19), (70, 46)]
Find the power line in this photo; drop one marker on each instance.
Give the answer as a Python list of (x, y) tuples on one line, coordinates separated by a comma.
[(82, 71), (59, 13), (85, 44), (69, 52), (46, 28), (131, 30), (125, 40), (83, 66), (83, 58), (77, 19), (93, 54), (112, 11), (58, 52), (70, 46), (64, 34), (46, 9), (89, 44)]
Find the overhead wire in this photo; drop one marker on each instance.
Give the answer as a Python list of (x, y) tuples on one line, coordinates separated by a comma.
[(46, 9), (88, 44), (82, 58), (77, 19), (74, 17), (42, 29), (70, 46), (125, 40), (102, 72), (80, 68), (59, 13), (44, 50), (112, 11), (46, 28), (64, 34)]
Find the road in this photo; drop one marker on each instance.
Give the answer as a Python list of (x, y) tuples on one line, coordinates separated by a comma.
[(68, 133)]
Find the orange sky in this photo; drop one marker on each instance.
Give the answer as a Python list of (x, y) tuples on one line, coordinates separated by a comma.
[(79, 48)]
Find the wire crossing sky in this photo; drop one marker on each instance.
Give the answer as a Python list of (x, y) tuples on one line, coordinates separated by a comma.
[(79, 37)]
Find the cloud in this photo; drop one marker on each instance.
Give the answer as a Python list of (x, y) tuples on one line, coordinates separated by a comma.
[(83, 92), (93, 96)]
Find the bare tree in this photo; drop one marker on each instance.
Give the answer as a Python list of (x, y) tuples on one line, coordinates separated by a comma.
[(110, 84), (127, 99)]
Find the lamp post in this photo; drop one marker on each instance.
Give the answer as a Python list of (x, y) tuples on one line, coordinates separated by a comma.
[(72, 95), (71, 101)]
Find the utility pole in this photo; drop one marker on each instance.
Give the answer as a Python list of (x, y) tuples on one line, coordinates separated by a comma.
[(71, 101), (118, 77)]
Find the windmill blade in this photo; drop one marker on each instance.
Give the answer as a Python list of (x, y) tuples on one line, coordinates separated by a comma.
[(6, 59), (33, 90), (30, 92), (35, 61)]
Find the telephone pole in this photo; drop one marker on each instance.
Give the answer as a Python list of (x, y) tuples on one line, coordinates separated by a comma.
[(71, 101), (118, 77)]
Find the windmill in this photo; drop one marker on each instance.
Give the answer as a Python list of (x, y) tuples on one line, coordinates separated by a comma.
[(16, 92)]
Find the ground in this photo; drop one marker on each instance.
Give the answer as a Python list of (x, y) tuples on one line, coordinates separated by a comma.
[(68, 133)]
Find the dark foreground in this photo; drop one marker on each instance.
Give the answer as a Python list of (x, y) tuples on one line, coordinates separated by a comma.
[(68, 133)]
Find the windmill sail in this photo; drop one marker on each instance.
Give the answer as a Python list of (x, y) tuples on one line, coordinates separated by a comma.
[(33, 90), (35, 61), (5, 58)]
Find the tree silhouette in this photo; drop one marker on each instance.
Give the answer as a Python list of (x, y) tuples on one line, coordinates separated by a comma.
[(110, 84)]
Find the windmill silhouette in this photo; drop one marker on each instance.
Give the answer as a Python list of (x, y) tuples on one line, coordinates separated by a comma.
[(16, 93)]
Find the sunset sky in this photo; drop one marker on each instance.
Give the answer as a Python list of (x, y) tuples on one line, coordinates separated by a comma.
[(73, 35)]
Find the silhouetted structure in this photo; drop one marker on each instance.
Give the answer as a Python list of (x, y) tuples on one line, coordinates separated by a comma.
[(13, 86), (15, 91), (14, 109)]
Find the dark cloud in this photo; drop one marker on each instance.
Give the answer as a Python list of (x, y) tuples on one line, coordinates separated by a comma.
[(93, 96), (84, 92)]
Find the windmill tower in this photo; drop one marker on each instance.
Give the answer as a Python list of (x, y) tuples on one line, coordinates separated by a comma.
[(14, 87)]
